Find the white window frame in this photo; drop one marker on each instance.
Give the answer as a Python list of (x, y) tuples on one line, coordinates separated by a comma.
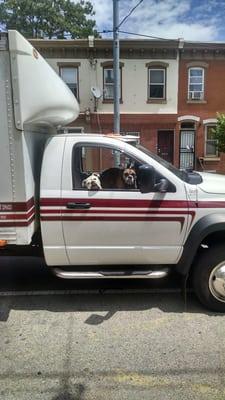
[(110, 84), (76, 80), (216, 155), (191, 93), (156, 84)]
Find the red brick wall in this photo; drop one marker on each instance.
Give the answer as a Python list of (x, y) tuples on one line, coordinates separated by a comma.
[(215, 102), (146, 124), (214, 90)]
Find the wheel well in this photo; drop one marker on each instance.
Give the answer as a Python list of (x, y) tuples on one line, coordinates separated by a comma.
[(208, 241), (215, 237)]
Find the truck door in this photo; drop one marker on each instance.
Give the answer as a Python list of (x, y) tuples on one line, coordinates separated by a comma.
[(116, 226)]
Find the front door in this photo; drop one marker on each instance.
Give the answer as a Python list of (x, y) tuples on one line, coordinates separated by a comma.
[(187, 149), (165, 145), (117, 226)]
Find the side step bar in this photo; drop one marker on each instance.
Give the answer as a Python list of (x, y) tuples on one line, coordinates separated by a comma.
[(108, 274)]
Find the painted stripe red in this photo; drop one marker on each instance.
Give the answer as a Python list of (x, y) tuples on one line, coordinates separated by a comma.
[(26, 216), (17, 224), (125, 203), (211, 204), (115, 218), (16, 206), (109, 211)]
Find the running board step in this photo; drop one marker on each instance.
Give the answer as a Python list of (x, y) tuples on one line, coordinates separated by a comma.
[(109, 274)]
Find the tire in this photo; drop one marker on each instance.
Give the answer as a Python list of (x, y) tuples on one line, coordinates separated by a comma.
[(209, 278)]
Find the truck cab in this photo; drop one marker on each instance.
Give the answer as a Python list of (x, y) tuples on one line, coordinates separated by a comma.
[(112, 226)]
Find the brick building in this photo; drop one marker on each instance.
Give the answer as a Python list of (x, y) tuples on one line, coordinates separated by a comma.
[(170, 92), (201, 96)]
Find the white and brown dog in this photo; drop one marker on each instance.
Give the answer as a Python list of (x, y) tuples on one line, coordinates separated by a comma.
[(92, 182), (130, 178)]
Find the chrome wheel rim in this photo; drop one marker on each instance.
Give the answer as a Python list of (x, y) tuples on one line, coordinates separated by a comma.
[(217, 282)]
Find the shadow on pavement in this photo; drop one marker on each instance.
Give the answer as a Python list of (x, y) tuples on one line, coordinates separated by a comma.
[(17, 273), (128, 295), (96, 304)]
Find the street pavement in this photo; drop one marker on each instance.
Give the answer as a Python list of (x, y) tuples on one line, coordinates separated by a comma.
[(134, 340)]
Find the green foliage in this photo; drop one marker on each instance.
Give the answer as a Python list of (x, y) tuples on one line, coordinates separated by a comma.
[(219, 132), (49, 18)]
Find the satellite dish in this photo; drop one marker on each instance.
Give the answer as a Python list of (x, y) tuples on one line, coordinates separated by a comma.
[(96, 92)]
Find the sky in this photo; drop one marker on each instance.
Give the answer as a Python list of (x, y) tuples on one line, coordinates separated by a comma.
[(193, 20)]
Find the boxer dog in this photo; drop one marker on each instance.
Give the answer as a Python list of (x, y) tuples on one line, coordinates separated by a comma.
[(130, 178), (92, 182), (116, 178)]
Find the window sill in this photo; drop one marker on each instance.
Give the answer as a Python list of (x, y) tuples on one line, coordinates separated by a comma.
[(212, 159), (196, 101), (156, 101)]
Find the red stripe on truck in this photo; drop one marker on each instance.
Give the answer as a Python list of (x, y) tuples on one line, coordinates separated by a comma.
[(16, 206), (53, 202), (16, 223), (17, 214)]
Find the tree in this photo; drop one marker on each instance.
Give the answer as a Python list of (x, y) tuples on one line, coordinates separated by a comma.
[(219, 132), (49, 18)]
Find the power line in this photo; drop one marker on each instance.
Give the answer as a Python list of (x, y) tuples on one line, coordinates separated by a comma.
[(148, 36), (139, 34), (197, 43), (131, 11)]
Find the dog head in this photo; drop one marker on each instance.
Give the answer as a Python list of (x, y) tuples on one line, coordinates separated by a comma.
[(129, 177), (92, 182)]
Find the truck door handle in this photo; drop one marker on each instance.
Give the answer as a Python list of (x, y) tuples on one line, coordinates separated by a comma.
[(81, 206)]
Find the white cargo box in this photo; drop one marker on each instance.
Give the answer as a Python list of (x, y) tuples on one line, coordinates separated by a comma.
[(34, 102)]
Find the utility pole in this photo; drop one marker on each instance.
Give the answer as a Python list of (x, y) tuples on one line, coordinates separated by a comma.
[(116, 66)]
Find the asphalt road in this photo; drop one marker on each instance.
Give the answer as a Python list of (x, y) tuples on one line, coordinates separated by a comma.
[(103, 342)]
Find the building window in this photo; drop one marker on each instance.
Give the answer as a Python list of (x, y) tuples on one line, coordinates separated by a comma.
[(196, 83), (210, 142), (70, 77), (157, 83), (108, 84)]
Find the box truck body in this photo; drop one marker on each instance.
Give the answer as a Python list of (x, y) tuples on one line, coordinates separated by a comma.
[(34, 102)]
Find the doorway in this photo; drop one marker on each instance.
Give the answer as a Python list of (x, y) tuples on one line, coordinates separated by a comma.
[(187, 146), (165, 145)]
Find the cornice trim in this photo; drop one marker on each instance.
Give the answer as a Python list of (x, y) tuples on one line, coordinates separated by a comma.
[(155, 64), (68, 64), (201, 64), (110, 64), (188, 118), (209, 121)]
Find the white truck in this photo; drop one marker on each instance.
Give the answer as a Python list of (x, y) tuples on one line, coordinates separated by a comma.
[(171, 220)]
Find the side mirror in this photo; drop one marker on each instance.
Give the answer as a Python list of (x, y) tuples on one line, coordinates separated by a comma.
[(146, 178), (162, 186)]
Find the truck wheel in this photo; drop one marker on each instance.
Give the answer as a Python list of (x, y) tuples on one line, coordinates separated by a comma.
[(209, 278)]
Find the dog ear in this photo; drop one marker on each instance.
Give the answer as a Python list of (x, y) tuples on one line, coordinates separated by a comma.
[(83, 184), (130, 165), (96, 174)]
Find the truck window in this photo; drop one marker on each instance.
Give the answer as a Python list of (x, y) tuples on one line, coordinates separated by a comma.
[(103, 162)]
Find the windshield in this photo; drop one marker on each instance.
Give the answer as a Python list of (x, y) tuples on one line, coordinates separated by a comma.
[(180, 174)]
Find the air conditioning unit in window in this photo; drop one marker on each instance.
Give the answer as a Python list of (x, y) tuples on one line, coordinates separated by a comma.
[(195, 95)]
